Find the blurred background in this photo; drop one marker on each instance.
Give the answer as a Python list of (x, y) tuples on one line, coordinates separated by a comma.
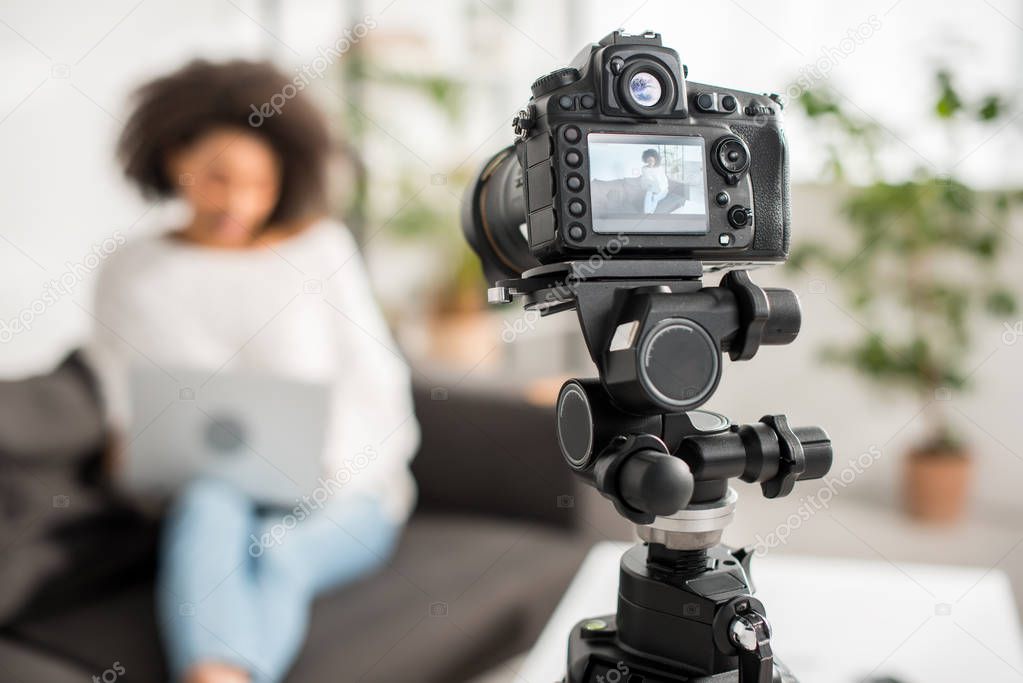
[(904, 124)]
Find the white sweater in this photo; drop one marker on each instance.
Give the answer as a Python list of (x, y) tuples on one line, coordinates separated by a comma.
[(655, 179), (301, 308)]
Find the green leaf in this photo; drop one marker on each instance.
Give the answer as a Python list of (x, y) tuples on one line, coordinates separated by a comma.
[(991, 108), (818, 103), (985, 247), (949, 101), (898, 263), (1000, 301)]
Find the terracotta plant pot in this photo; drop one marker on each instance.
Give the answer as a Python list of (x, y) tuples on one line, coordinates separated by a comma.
[(936, 485)]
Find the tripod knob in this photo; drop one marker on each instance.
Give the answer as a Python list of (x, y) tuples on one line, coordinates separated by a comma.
[(769, 452), (751, 635), (655, 482), (802, 453)]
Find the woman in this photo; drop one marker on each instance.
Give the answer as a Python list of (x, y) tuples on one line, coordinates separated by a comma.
[(256, 279), (655, 180)]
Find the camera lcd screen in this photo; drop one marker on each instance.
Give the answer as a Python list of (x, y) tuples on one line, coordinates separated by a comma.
[(648, 184)]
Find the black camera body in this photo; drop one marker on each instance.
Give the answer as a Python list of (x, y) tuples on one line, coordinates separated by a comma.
[(620, 156)]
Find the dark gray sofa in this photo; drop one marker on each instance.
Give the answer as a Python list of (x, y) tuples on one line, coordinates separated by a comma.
[(494, 541)]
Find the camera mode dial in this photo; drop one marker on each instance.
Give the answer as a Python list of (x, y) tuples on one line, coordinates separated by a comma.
[(554, 80)]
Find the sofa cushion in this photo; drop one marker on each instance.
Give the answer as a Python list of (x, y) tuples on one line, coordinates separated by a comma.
[(61, 532), (461, 594), (25, 664), (488, 451), (51, 418)]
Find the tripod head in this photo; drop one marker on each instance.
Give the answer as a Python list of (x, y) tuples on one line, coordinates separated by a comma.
[(657, 337), (636, 434)]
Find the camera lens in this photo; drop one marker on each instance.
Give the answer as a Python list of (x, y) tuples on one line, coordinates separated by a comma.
[(645, 89), (493, 217)]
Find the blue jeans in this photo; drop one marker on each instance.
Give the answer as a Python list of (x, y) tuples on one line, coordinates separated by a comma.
[(236, 582), (652, 199)]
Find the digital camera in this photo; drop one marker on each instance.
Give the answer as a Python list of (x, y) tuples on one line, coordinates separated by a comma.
[(619, 155)]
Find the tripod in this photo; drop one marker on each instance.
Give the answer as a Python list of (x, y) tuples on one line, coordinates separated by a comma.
[(686, 610)]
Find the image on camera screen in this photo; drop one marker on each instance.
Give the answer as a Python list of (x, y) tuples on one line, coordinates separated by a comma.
[(648, 184)]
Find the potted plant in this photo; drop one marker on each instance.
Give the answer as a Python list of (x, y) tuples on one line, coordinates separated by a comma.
[(917, 266)]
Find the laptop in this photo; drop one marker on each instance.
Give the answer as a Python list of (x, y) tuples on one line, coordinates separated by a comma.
[(263, 433)]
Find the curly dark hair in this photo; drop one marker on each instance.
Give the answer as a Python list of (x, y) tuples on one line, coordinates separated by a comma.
[(652, 153), (174, 110)]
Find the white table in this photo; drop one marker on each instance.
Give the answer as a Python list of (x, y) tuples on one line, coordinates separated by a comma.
[(918, 623)]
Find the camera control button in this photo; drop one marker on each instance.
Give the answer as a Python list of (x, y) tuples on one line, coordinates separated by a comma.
[(573, 158), (572, 134), (566, 102), (617, 64), (739, 216), (588, 101), (576, 232), (722, 198), (731, 158), (724, 239), (705, 101), (576, 208), (728, 103), (574, 182)]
